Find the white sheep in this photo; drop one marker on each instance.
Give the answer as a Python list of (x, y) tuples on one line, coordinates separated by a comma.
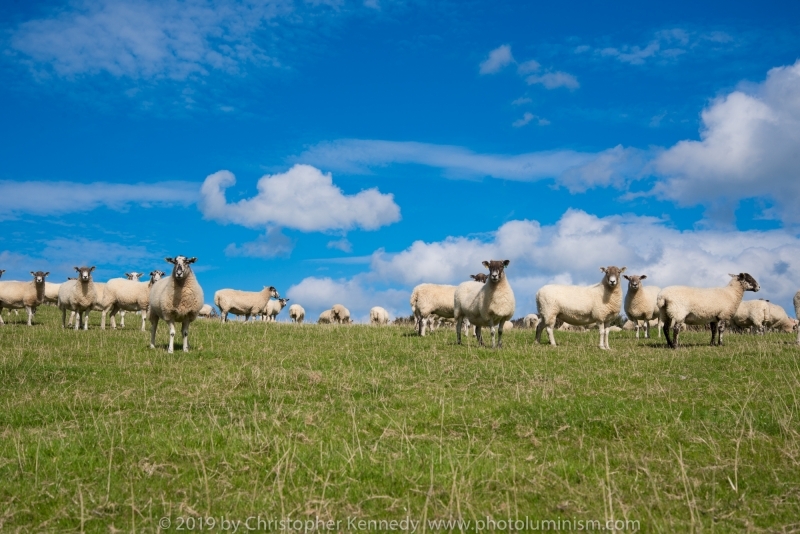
[(778, 319), (680, 305), (103, 303), (78, 296), (531, 320), (797, 313), (431, 299), (131, 295), (18, 295), (378, 316), (273, 308), (325, 317), (134, 276), (175, 298), (340, 314), (245, 303), (296, 313), (51, 292), (640, 303), (752, 314), (581, 306), (508, 325), (485, 304), (206, 311)]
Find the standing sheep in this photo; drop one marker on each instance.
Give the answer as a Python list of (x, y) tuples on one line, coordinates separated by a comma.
[(296, 313), (797, 313), (325, 317), (680, 305), (378, 316), (485, 304), (18, 295), (51, 292), (432, 299), (131, 295), (581, 306), (640, 303), (176, 298), (340, 314), (273, 308), (78, 296), (480, 277), (245, 303)]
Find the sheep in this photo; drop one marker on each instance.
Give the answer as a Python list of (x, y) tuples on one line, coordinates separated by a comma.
[(18, 295), (797, 313), (245, 303), (752, 314), (206, 311), (340, 314), (432, 299), (325, 317), (296, 313), (273, 308), (78, 296), (51, 292), (700, 305), (103, 303), (134, 276), (480, 277), (131, 295), (378, 316), (489, 304), (175, 298), (581, 306), (508, 325), (778, 319), (531, 320), (640, 303)]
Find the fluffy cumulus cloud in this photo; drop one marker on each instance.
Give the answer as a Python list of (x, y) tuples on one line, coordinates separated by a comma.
[(571, 251), (749, 147), (58, 198), (303, 198)]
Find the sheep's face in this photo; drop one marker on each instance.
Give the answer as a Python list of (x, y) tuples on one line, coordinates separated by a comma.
[(156, 275), (39, 276), (133, 276), (283, 302), (480, 277), (748, 282), (634, 281), (84, 273), (181, 267), (611, 278), (496, 269), (273, 293)]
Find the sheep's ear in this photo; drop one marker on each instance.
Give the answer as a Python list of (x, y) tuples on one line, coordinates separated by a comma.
[(129, 275), (33, 273), (91, 268), (644, 276), (485, 264), (622, 270), (78, 269), (603, 269), (191, 260), (506, 262), (47, 273), (733, 275), (626, 277), (170, 260)]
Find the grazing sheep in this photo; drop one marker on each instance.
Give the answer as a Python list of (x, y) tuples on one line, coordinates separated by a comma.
[(431, 299), (245, 303), (297, 314), (640, 303), (797, 313), (206, 311), (490, 304), (325, 317), (340, 314), (680, 305), (531, 320), (18, 295), (480, 277), (273, 308), (752, 314), (175, 298), (378, 316), (581, 306), (778, 319), (77, 296), (131, 295), (508, 325)]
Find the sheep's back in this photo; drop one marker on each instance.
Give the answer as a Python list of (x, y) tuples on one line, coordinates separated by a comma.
[(434, 299), (699, 305), (751, 313), (574, 302), (129, 293), (74, 297)]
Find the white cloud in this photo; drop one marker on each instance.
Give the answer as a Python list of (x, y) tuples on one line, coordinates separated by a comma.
[(526, 67), (554, 80), (748, 148), (528, 117), (148, 39), (58, 198), (302, 198), (270, 245), (664, 46), (521, 100), (498, 58), (341, 244)]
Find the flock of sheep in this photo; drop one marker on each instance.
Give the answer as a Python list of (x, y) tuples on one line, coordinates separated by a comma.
[(485, 301)]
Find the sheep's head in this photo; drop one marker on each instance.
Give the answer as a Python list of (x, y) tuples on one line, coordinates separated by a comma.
[(496, 269), (273, 293), (156, 275), (748, 282), (611, 279), (480, 277), (84, 273), (134, 276), (634, 281), (283, 302), (2, 271), (181, 267), (39, 276)]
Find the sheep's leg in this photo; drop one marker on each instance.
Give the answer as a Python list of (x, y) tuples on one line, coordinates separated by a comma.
[(423, 322), (144, 318), (499, 337), (75, 320), (478, 335), (114, 321), (720, 330), (658, 328), (122, 319), (647, 329), (539, 328), (798, 334), (713, 332), (2, 322), (676, 329), (171, 336), (85, 320), (223, 317), (185, 332), (153, 326), (459, 325), (666, 325), (30, 314), (638, 326), (63, 318), (550, 335), (102, 320), (602, 327), (71, 318)]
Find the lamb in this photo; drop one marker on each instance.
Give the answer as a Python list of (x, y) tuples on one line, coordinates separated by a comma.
[(480, 277), (797, 313), (531, 320), (378, 316), (640, 303), (131, 295), (18, 295), (296, 313), (680, 305), (581, 306), (245, 303), (273, 308), (176, 298), (752, 314), (490, 304), (432, 299), (340, 314), (78, 296), (325, 317)]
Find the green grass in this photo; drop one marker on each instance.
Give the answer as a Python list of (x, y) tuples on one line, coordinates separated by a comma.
[(98, 433)]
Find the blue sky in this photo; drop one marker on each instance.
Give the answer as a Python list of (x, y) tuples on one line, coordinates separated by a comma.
[(346, 151)]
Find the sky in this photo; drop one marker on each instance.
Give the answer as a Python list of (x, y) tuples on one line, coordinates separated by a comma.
[(345, 151)]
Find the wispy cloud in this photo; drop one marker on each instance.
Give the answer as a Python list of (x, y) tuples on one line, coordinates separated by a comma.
[(272, 244), (498, 58), (501, 57), (666, 45), (554, 80), (527, 117)]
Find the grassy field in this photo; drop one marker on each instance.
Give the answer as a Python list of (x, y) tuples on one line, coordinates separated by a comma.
[(275, 421)]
